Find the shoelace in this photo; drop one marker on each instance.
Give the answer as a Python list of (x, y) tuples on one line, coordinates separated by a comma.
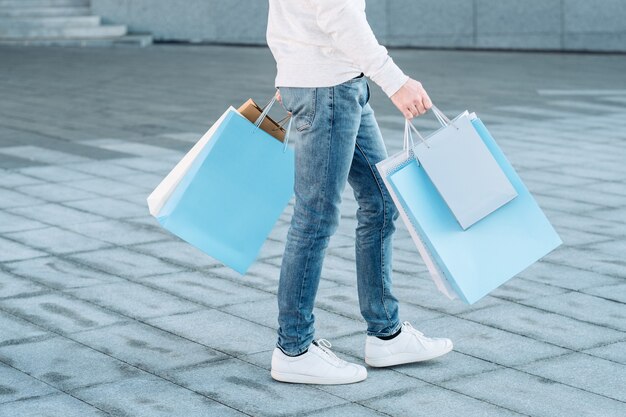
[(420, 336), (325, 346)]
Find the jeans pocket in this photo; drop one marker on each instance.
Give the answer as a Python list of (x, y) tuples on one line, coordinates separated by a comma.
[(301, 103)]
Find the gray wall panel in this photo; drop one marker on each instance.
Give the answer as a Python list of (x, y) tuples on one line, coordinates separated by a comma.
[(514, 16), (416, 18), (596, 25)]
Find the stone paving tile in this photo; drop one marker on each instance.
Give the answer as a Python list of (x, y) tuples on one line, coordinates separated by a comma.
[(585, 308), (178, 252), (451, 366), (428, 400), (147, 182), (134, 300), (577, 238), (56, 240), (58, 312), (55, 192), (55, 173), (138, 149), (523, 289), (549, 327), (106, 187), (211, 291), (150, 165), (10, 179), (55, 214), (489, 343), (592, 374), (38, 154), (108, 207), (567, 277), (12, 251), (611, 292), (347, 410), (15, 329), (12, 286), (328, 325), (58, 273), (344, 300), (617, 249), (223, 332), (16, 385), (615, 352), (615, 215), (116, 232), (97, 169), (588, 222), (65, 364), (261, 275), (152, 397), (536, 396), (251, 389), (379, 383), (589, 260), (146, 347), (125, 263), (12, 223), (51, 405)]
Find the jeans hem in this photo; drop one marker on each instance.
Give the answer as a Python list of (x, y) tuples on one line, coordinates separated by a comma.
[(299, 351), (395, 330)]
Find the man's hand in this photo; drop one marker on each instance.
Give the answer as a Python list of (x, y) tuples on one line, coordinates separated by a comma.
[(411, 99), (278, 97)]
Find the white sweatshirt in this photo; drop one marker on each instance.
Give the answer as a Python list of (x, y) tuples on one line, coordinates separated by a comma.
[(321, 43)]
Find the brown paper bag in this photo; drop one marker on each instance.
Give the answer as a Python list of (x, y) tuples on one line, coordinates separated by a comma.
[(251, 111)]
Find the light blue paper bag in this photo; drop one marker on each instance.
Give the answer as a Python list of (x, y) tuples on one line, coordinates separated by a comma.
[(477, 260), (233, 192)]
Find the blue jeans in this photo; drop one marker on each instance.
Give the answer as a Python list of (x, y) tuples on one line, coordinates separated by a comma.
[(337, 139)]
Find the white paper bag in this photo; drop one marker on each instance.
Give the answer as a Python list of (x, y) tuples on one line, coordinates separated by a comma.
[(388, 167)]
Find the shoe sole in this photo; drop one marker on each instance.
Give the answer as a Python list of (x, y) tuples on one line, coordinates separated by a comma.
[(403, 358), (308, 379)]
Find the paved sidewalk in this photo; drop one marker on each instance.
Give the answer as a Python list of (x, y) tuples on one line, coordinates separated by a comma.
[(105, 314)]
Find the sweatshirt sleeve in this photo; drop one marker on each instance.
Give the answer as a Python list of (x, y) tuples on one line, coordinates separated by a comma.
[(345, 22)]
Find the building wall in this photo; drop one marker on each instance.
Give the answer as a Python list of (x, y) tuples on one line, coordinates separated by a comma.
[(595, 25)]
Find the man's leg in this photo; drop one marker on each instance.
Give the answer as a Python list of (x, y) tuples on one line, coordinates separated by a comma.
[(325, 126), (376, 215), (389, 342)]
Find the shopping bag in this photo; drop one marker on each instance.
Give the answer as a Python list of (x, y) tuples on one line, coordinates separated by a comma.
[(251, 111), (164, 190), (463, 170), (235, 186), (475, 261), (387, 167)]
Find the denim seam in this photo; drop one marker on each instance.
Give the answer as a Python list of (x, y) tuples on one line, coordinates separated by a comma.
[(319, 224), (382, 258)]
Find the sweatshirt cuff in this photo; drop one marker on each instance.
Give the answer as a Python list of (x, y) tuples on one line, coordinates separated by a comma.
[(390, 77)]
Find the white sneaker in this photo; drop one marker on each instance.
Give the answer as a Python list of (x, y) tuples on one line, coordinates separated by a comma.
[(317, 366), (409, 346)]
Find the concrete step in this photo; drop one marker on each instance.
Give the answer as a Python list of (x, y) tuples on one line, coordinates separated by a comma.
[(19, 12), (86, 32), (43, 3), (48, 22), (132, 40)]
